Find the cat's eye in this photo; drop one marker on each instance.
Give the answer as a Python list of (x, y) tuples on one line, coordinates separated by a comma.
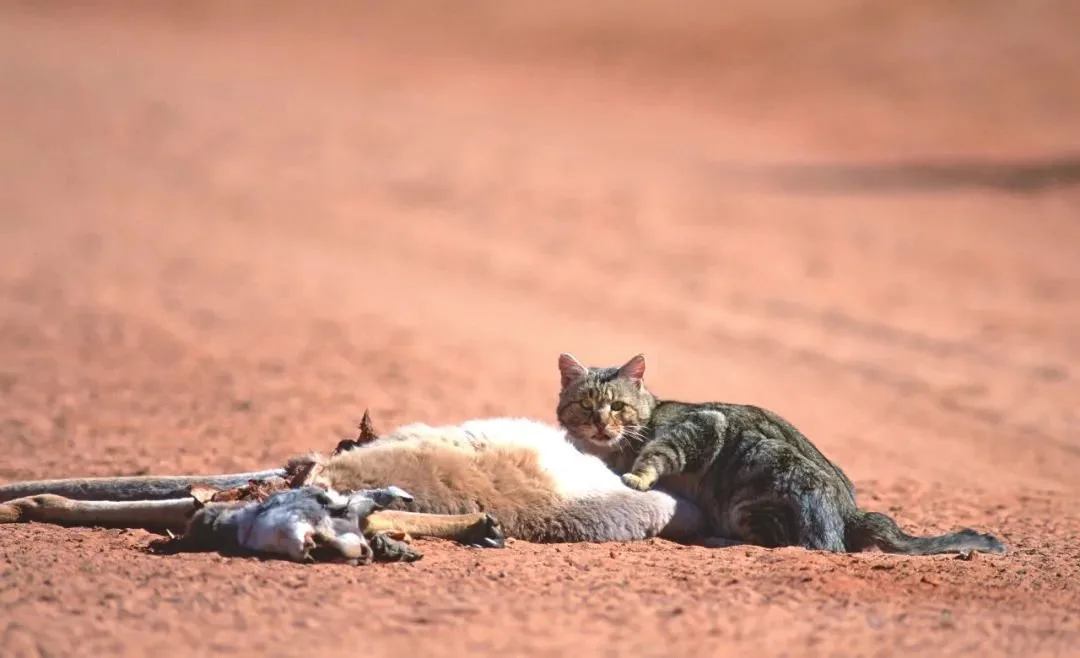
[(618, 405), (586, 404)]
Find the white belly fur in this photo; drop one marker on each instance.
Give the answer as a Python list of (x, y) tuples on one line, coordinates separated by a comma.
[(573, 473)]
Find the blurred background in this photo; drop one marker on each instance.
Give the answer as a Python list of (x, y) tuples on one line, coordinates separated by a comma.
[(228, 227)]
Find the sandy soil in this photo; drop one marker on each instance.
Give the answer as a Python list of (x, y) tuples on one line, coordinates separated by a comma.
[(224, 232)]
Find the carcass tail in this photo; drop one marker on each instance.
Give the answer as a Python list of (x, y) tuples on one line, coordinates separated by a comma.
[(131, 488)]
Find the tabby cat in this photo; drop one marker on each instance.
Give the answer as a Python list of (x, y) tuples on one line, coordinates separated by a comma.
[(756, 478)]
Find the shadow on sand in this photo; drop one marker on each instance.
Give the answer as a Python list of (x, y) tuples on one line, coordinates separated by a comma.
[(925, 176)]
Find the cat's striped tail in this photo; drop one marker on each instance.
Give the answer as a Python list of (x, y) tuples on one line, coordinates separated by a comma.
[(869, 529)]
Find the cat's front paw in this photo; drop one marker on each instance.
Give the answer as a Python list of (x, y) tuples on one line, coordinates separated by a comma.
[(639, 482)]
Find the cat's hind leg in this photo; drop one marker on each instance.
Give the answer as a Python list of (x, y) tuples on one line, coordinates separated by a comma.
[(787, 500), (820, 523), (793, 520), (767, 523)]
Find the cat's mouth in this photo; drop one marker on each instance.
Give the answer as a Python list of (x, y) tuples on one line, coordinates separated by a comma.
[(602, 436)]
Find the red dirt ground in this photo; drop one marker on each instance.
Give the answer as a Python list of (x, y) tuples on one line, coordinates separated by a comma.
[(226, 231)]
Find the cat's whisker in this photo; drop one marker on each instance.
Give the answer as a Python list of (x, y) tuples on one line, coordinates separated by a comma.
[(634, 435)]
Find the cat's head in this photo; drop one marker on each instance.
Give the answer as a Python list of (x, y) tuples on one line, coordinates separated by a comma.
[(604, 408)]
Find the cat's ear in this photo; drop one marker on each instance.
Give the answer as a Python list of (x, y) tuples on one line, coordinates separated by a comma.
[(571, 369), (634, 369)]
